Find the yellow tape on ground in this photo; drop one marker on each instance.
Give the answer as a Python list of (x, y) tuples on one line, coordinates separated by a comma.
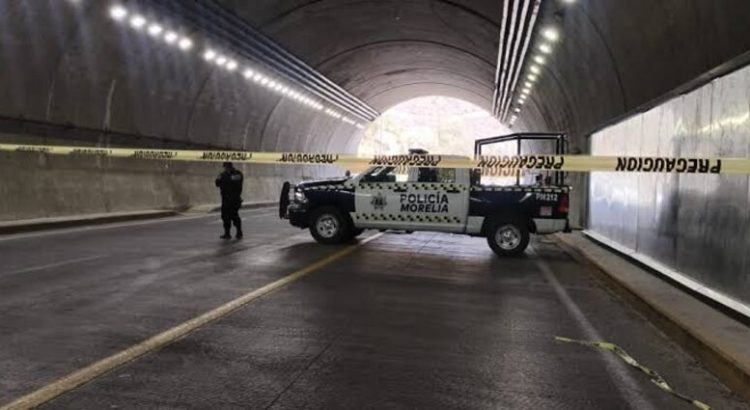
[(501, 165), (652, 375)]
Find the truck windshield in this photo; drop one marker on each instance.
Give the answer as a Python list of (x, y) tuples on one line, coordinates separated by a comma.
[(437, 175), (380, 174)]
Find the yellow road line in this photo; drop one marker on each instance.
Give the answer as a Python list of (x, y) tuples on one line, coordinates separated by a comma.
[(85, 375)]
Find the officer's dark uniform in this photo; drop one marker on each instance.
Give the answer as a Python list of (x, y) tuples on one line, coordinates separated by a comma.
[(230, 184)]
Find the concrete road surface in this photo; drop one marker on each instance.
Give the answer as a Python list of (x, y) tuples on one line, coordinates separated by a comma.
[(403, 321)]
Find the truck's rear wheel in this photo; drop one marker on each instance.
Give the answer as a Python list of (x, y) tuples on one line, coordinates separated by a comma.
[(328, 226), (508, 237)]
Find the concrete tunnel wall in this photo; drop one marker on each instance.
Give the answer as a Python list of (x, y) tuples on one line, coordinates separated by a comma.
[(67, 64)]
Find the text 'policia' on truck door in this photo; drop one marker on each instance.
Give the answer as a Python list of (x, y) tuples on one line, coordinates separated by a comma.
[(430, 198)]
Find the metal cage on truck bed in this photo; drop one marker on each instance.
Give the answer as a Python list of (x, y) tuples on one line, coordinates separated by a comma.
[(559, 141)]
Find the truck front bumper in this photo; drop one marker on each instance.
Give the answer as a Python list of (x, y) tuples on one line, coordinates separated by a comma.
[(298, 215)]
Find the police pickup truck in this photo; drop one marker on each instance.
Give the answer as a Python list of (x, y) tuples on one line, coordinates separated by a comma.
[(431, 199)]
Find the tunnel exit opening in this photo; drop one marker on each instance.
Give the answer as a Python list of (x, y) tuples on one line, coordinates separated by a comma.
[(438, 124)]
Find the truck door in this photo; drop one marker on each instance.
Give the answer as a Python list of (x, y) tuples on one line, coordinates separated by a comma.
[(436, 201), (376, 203)]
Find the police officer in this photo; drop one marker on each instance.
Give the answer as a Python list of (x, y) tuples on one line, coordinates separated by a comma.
[(230, 183)]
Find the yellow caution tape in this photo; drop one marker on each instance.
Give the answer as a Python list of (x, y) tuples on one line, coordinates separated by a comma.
[(500, 165), (652, 375)]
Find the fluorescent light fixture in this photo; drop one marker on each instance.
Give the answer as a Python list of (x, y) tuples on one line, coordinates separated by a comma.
[(257, 78), (521, 101), (155, 29), (535, 69), (231, 65), (540, 60), (137, 22), (170, 37), (185, 44), (221, 60), (528, 84), (209, 55), (532, 77), (118, 13), (517, 109), (248, 73), (545, 48), (265, 81), (551, 34)]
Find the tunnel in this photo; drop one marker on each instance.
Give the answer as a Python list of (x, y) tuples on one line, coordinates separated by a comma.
[(115, 290)]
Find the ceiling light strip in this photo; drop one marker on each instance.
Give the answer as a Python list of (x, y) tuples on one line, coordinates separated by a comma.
[(506, 105), (232, 30), (508, 56), (500, 56), (133, 19), (522, 37)]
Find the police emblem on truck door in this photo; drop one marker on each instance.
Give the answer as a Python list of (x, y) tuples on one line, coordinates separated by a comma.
[(379, 201)]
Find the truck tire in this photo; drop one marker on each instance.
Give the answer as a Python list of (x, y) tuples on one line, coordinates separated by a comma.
[(329, 226), (352, 233), (508, 237)]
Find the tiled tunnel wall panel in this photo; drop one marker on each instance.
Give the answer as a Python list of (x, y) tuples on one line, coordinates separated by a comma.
[(698, 225)]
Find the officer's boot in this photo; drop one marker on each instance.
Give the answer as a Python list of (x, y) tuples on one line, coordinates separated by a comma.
[(227, 228), (238, 225)]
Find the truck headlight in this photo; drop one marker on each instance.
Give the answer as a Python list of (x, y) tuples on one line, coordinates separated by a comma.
[(299, 196)]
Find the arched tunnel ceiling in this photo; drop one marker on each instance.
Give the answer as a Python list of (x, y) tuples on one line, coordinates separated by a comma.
[(383, 50), (615, 56), (66, 62)]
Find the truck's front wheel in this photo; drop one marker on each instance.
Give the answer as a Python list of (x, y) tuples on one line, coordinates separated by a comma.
[(508, 237), (328, 226)]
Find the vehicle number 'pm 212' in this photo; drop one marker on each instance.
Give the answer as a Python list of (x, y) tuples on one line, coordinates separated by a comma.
[(547, 197)]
